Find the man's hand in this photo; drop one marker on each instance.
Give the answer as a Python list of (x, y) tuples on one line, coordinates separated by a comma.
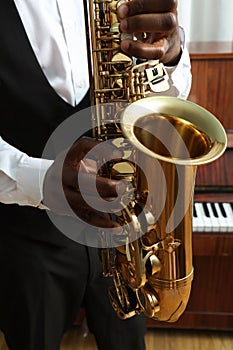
[(155, 24), (70, 167)]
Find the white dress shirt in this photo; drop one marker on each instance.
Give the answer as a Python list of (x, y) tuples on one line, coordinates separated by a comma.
[(56, 30)]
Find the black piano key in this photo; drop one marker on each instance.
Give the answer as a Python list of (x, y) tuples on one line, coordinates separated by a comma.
[(194, 211), (214, 210), (222, 210), (206, 210)]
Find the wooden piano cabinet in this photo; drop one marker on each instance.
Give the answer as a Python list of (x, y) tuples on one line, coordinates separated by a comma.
[(211, 300), (212, 80)]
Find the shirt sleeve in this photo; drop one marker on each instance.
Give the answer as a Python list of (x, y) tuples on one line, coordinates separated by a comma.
[(180, 77), (21, 176)]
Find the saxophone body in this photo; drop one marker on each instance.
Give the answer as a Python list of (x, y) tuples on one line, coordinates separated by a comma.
[(163, 140)]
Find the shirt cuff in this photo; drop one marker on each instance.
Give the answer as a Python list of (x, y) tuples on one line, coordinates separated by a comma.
[(180, 75), (29, 178)]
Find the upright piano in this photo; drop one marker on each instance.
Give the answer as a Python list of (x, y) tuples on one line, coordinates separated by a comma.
[(211, 300)]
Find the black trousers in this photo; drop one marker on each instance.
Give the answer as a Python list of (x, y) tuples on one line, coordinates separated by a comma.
[(42, 287)]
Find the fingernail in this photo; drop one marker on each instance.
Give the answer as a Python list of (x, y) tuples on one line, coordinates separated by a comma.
[(120, 187), (116, 154), (122, 11), (117, 230), (124, 25), (125, 45)]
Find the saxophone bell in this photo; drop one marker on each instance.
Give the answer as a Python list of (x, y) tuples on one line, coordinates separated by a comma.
[(171, 137)]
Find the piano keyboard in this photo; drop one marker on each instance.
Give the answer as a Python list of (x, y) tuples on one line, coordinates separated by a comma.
[(213, 217)]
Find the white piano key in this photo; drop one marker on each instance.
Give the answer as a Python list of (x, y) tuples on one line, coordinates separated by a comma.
[(214, 218), (221, 218), (206, 219), (195, 219), (229, 214), (199, 222), (209, 215)]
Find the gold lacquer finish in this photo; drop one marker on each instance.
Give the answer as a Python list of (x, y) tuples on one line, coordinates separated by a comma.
[(171, 137), (164, 139)]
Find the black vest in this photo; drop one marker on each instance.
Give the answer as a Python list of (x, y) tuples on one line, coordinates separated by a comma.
[(30, 111)]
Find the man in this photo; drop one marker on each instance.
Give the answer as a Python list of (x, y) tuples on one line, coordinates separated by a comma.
[(45, 276)]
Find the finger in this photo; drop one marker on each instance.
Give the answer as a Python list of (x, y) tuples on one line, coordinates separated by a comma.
[(93, 149), (81, 147), (93, 218), (88, 166), (160, 23), (88, 214), (106, 205), (153, 51), (70, 177), (97, 185), (92, 183), (105, 150), (136, 7), (110, 188)]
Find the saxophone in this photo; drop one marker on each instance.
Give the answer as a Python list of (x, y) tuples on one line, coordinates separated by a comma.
[(163, 140)]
